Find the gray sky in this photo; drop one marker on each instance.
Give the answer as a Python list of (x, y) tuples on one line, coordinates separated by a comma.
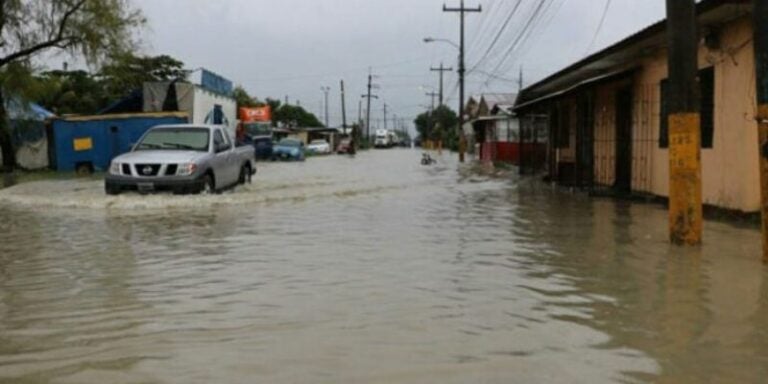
[(293, 47)]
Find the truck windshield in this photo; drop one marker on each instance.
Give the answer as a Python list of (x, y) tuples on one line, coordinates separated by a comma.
[(258, 129), (186, 139)]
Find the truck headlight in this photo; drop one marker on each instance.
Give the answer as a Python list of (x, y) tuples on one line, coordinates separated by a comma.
[(115, 168), (186, 169)]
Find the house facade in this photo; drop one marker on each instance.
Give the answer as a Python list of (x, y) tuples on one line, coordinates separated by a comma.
[(495, 127), (607, 113)]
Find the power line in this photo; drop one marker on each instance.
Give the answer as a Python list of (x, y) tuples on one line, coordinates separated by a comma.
[(540, 15), (599, 27), (498, 35)]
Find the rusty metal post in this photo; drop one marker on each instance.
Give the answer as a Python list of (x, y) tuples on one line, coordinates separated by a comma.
[(760, 26), (685, 201)]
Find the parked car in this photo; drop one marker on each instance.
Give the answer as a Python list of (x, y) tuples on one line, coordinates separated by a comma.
[(288, 149), (319, 147), (345, 146), (181, 159)]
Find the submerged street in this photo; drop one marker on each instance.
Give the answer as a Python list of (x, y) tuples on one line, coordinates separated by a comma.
[(371, 270)]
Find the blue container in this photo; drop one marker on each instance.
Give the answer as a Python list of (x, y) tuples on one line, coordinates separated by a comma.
[(91, 142)]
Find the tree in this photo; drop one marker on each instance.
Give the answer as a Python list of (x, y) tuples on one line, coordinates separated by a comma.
[(126, 72), (440, 125), (296, 116), (244, 99), (69, 92), (94, 29), (291, 115)]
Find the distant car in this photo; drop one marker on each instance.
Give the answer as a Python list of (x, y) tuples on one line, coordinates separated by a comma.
[(319, 147), (288, 149), (345, 146)]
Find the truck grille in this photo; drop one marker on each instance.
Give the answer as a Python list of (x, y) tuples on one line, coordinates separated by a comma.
[(147, 169), (126, 169), (170, 170)]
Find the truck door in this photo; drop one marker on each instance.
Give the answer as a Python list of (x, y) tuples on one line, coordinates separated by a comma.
[(233, 168), (220, 160)]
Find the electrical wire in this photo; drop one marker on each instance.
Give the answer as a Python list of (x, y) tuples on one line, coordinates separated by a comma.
[(599, 27), (498, 35)]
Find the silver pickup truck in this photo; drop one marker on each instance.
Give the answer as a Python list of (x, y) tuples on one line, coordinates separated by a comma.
[(181, 159)]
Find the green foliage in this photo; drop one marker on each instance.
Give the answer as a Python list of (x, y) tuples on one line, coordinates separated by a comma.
[(274, 104), (441, 124), (69, 92), (244, 99), (92, 29), (126, 72), (295, 116), (291, 115), (79, 92)]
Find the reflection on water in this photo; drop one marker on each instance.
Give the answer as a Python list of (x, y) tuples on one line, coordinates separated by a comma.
[(374, 270)]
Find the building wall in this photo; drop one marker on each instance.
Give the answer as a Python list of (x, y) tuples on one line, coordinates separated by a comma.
[(730, 177), (204, 102)]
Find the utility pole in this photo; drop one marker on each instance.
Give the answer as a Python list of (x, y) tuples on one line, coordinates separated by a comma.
[(432, 95), (385, 116), (462, 69), (760, 26), (520, 81), (343, 109), (368, 96), (325, 91), (431, 113), (685, 209), (360, 112), (441, 69)]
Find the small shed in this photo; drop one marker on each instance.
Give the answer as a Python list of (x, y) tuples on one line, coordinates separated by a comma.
[(28, 123), (89, 143)]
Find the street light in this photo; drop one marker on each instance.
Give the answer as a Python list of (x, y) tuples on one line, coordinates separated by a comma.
[(435, 39)]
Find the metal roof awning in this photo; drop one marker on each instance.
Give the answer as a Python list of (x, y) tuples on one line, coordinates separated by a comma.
[(592, 80)]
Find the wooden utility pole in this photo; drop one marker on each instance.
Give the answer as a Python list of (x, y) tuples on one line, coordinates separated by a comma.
[(685, 205), (462, 69), (368, 96), (430, 121), (343, 109), (385, 115), (432, 95), (760, 26), (441, 70)]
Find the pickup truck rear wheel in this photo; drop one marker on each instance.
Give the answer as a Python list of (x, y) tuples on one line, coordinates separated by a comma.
[(245, 174)]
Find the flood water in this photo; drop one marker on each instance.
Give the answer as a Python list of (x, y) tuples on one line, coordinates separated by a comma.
[(371, 270)]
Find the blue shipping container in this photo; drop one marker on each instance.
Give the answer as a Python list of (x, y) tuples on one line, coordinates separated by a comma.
[(93, 141)]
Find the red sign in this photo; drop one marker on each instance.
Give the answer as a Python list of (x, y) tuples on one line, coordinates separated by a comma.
[(248, 115)]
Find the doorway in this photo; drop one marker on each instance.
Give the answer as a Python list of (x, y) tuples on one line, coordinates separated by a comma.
[(623, 181)]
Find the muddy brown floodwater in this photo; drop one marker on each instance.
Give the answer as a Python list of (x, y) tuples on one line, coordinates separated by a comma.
[(371, 270)]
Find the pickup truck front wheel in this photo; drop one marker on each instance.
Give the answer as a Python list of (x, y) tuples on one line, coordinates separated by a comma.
[(112, 190), (208, 187)]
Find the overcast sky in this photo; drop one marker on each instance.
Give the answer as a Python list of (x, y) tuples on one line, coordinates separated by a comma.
[(294, 47)]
